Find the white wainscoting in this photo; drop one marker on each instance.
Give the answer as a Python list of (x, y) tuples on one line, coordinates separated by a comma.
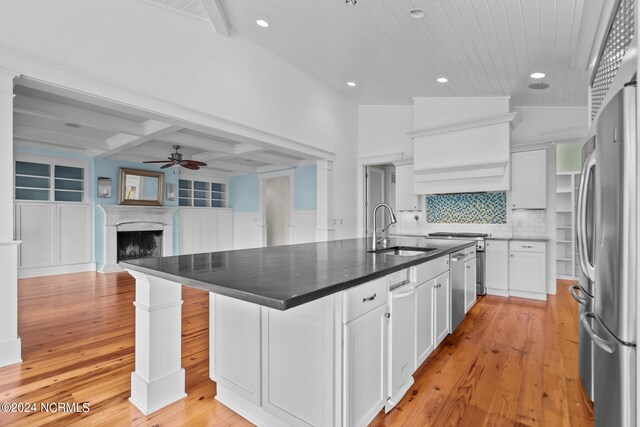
[(206, 230), (56, 238), (247, 230), (305, 226)]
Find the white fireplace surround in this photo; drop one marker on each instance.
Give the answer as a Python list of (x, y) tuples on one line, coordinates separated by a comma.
[(134, 218)]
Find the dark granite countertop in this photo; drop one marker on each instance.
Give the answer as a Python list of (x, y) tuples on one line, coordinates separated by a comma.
[(284, 277), (526, 239)]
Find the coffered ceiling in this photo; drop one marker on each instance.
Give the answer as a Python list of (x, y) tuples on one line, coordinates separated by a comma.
[(484, 47), (78, 123)]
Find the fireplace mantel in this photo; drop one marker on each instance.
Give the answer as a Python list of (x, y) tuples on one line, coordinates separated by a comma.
[(133, 218)]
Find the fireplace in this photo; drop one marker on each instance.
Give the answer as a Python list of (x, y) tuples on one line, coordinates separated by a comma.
[(139, 244), (135, 232)]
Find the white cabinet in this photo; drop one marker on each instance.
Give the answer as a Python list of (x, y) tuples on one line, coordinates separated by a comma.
[(364, 367), (529, 180), (527, 269), (425, 330), (205, 230), (497, 267), (470, 279), (56, 237), (442, 308), (433, 307), (406, 200)]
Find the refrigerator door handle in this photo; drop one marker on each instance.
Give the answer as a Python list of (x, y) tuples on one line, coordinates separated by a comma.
[(587, 170), (599, 341), (574, 290)]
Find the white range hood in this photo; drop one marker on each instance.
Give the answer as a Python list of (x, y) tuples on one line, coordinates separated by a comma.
[(461, 144)]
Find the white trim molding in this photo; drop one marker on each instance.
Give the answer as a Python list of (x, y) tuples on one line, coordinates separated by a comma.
[(324, 200), (485, 121), (262, 177)]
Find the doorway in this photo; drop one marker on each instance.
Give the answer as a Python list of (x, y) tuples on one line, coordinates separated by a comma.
[(380, 187), (277, 210)]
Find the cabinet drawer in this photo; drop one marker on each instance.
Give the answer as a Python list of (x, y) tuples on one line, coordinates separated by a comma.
[(431, 269), (364, 298), (527, 246)]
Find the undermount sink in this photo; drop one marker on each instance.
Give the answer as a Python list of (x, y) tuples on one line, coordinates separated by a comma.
[(403, 251)]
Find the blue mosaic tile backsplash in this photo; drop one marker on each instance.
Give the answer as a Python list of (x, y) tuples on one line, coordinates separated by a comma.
[(467, 208)]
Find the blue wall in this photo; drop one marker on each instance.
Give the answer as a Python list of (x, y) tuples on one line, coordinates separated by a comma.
[(305, 193), (244, 191)]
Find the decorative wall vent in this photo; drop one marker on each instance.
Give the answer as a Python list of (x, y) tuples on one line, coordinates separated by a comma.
[(620, 35)]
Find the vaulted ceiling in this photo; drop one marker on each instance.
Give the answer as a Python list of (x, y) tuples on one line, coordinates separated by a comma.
[(484, 47), (80, 124)]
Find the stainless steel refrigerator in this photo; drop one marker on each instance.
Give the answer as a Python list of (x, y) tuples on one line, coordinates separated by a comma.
[(611, 322), (584, 292)]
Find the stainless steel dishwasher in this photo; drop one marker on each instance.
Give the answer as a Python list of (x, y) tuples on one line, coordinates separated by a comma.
[(457, 287)]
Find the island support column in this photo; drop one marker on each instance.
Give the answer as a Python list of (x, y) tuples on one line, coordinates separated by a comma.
[(10, 345), (158, 379)]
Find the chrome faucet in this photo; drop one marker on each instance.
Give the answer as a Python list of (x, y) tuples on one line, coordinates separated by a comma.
[(374, 237)]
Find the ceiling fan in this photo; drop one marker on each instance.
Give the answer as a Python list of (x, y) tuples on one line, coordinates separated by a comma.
[(176, 159)]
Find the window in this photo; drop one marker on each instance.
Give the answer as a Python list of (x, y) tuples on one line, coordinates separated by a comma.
[(35, 181), (201, 194)]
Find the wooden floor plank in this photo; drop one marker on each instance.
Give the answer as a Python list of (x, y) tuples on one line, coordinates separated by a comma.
[(512, 362)]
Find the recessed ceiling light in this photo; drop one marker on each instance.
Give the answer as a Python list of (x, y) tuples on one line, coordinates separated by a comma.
[(442, 79), (352, 84), (416, 13), (538, 75), (262, 23)]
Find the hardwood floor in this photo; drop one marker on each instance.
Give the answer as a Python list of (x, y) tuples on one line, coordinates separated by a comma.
[(511, 362)]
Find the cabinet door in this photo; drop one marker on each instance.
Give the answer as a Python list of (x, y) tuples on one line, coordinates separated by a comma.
[(497, 262), (75, 233), (442, 307), (365, 367), (405, 198), (469, 284), (529, 180), (189, 231), (208, 230), (527, 272), (36, 228), (425, 339), (224, 240)]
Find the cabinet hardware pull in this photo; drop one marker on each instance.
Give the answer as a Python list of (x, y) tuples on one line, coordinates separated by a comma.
[(511, 255), (371, 298), (468, 267), (387, 315)]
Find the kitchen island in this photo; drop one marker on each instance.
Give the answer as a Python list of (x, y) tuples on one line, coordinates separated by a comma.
[(298, 332)]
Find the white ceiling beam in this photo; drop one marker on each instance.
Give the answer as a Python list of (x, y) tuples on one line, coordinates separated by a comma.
[(233, 167), (56, 138), (216, 16), (198, 142), (123, 142), (65, 113), (271, 158), (238, 149)]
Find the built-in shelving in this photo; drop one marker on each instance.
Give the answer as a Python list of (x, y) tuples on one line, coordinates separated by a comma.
[(201, 194), (566, 245)]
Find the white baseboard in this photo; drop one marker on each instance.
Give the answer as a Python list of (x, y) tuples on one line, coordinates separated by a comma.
[(10, 352), (110, 268), (51, 270), (529, 295), (498, 292), (149, 397), (247, 410)]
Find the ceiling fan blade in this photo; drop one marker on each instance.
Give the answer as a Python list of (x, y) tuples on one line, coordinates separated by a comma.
[(168, 165), (155, 161), (187, 164), (196, 162)]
